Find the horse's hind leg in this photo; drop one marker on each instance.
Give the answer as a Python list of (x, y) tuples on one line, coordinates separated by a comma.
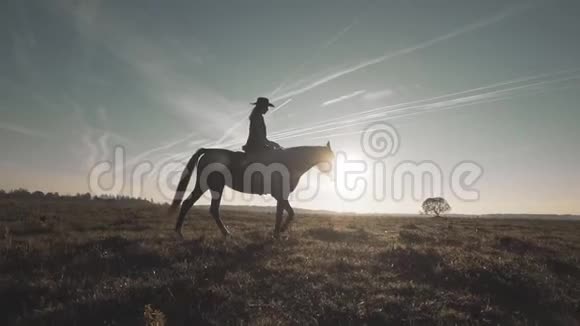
[(290, 217), (186, 206), (215, 211)]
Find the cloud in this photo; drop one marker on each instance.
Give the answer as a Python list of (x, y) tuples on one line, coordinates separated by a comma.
[(343, 98)]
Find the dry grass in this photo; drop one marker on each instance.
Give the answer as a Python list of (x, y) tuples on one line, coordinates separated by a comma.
[(109, 263)]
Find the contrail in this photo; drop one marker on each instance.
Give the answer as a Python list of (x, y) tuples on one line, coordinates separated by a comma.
[(343, 98), (466, 29), (363, 120), (327, 44), (341, 119), (415, 113), (498, 99), (446, 103), (441, 106), (22, 130), (229, 131), (282, 105), (495, 85), (426, 110)]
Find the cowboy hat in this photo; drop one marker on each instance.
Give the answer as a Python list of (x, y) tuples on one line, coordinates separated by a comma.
[(263, 101)]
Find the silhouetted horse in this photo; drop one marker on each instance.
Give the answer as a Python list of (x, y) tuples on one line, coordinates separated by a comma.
[(270, 172)]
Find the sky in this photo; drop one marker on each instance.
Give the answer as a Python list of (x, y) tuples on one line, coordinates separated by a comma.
[(495, 83)]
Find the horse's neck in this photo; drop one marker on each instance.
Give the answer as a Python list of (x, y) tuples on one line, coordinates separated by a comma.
[(304, 158)]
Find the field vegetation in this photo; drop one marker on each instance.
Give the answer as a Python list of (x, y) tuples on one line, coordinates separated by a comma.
[(66, 261)]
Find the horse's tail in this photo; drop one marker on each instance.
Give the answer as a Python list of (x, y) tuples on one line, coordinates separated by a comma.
[(184, 181)]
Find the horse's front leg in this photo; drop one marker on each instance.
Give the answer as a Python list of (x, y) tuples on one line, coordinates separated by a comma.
[(279, 212), (290, 217), (215, 212)]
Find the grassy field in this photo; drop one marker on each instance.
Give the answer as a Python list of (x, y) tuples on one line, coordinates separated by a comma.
[(118, 263)]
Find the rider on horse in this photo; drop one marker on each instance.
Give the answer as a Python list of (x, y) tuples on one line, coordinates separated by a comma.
[(279, 178), (257, 140)]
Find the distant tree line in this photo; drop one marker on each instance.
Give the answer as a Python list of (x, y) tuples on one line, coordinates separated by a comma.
[(25, 194)]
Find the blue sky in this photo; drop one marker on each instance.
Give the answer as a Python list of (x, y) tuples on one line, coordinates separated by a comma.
[(161, 79)]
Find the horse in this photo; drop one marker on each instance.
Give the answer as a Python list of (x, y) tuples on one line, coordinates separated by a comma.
[(274, 172)]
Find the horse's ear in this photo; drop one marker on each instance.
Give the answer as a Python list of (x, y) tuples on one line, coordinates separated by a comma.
[(328, 145)]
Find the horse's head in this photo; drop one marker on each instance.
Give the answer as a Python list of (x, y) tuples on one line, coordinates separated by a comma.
[(326, 159)]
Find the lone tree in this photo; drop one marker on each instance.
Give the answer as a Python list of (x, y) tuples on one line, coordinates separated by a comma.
[(436, 206)]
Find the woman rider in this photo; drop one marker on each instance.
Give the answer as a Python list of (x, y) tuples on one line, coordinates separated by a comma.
[(257, 140)]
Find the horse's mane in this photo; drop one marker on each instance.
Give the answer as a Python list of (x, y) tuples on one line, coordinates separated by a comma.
[(303, 148)]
